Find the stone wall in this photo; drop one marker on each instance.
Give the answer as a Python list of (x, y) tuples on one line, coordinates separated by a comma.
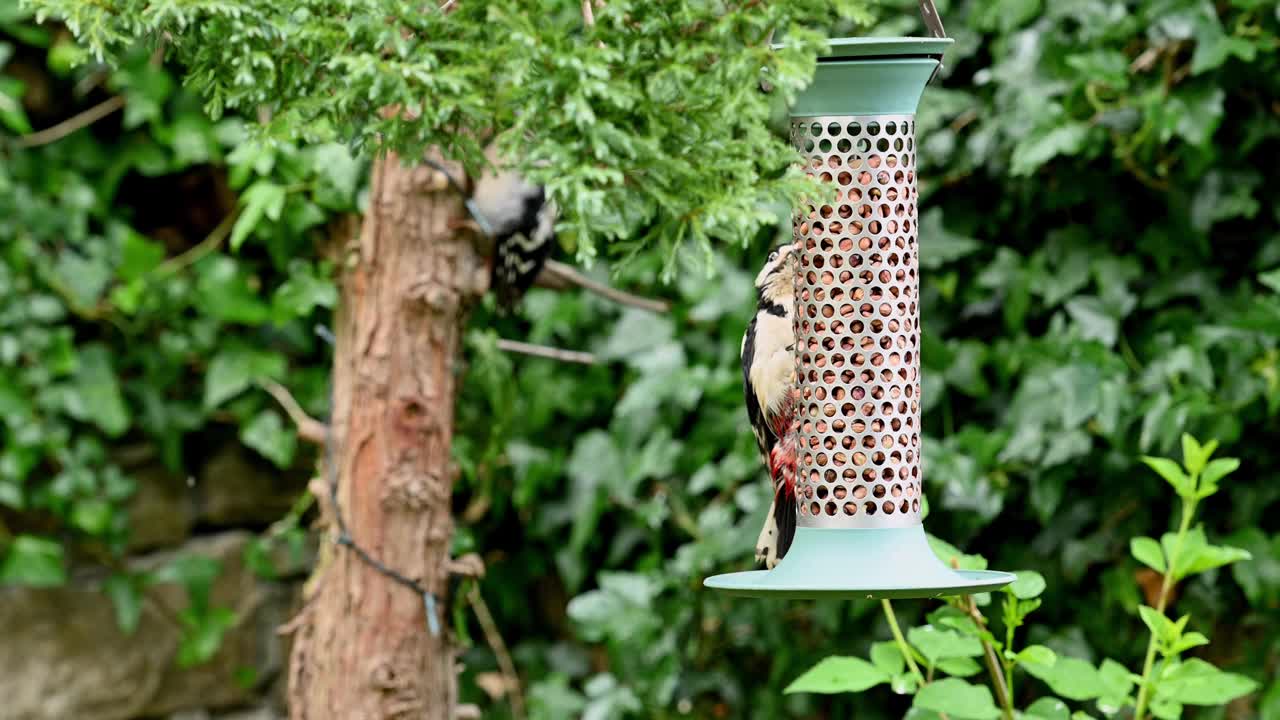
[(65, 656)]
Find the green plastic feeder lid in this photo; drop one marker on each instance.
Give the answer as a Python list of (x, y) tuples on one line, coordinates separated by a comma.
[(870, 76), (882, 47), (869, 563), (848, 48)]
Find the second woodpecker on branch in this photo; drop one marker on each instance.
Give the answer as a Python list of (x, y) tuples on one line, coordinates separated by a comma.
[(522, 222), (769, 381)]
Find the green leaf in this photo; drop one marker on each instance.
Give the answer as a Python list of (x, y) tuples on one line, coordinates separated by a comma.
[(1117, 683), (837, 675), (302, 293), (1147, 551), (225, 292), (96, 396), (1271, 279), (202, 635), (1029, 584), (1260, 578), (1171, 472), (33, 561), (138, 256), (1069, 677), (1194, 456), (1196, 682), (959, 667), (235, 369), (1213, 472), (952, 556), (268, 434), (261, 199), (1048, 709), (887, 657), (957, 699), (1043, 145), (1095, 320), (1038, 654), (126, 597), (937, 644), (938, 245), (1188, 641), (1159, 625)]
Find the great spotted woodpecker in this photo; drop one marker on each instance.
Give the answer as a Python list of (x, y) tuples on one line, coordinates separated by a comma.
[(522, 223), (768, 376)]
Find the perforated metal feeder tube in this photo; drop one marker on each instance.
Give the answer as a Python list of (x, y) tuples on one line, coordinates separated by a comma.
[(859, 530)]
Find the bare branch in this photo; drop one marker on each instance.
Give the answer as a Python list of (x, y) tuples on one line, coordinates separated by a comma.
[(202, 248), (557, 276), (72, 124), (499, 647), (588, 15), (309, 428), (543, 351)]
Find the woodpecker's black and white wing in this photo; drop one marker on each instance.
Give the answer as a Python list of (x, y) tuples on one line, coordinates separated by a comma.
[(522, 222)]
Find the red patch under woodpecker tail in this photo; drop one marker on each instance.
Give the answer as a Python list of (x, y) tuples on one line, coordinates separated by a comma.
[(782, 468)]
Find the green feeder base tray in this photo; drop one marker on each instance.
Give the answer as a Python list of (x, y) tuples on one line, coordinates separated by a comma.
[(859, 563)]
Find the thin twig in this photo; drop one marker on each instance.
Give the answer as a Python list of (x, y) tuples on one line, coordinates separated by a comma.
[(557, 275), (588, 15), (543, 351), (499, 647), (309, 428), (72, 124), (204, 247), (903, 647), (989, 654)]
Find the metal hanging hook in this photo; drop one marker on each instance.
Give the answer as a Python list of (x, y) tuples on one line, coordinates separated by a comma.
[(933, 23)]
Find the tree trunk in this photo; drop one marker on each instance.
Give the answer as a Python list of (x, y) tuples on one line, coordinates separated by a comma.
[(362, 647)]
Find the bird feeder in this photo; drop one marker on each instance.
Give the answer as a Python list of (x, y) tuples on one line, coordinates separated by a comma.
[(858, 474)]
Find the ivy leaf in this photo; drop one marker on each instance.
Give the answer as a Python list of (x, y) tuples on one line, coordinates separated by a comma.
[(1147, 551), (938, 245), (262, 199), (234, 369), (126, 596), (96, 394), (268, 434), (839, 674), (1271, 279), (138, 256), (33, 561), (225, 292), (202, 635), (1043, 145), (1196, 682), (958, 699), (1259, 579), (1094, 319)]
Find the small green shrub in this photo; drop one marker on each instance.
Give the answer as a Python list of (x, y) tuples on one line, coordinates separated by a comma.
[(934, 661)]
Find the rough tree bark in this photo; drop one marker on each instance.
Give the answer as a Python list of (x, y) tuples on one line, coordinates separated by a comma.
[(361, 647)]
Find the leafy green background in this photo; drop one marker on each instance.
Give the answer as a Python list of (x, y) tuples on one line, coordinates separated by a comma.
[(1101, 272)]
